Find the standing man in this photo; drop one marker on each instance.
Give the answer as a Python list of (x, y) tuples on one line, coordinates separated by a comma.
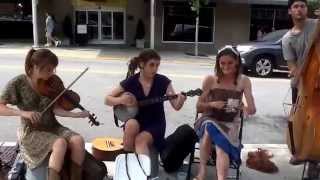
[(50, 25), (294, 46)]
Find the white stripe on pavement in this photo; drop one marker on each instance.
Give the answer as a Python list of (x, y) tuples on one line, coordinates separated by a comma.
[(109, 72)]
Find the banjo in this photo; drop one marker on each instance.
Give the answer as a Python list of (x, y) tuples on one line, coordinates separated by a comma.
[(123, 113)]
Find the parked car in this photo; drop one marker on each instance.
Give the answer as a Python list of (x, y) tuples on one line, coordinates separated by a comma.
[(263, 56)]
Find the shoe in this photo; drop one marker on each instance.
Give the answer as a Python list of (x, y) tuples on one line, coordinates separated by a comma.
[(295, 161), (57, 43), (260, 160), (260, 152)]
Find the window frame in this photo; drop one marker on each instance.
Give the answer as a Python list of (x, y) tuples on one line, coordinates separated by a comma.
[(187, 42)]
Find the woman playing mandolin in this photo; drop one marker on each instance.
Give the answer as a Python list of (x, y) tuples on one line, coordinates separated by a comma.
[(148, 126), (220, 105), (41, 133)]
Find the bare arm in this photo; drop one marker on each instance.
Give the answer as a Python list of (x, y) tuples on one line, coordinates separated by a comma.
[(292, 68), (34, 117), (203, 104), (58, 111), (178, 102), (7, 111), (116, 98), (113, 98), (250, 107)]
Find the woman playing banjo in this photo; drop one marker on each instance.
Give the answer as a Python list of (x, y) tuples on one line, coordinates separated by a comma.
[(148, 126)]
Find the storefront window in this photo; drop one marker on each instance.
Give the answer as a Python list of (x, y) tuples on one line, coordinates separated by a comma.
[(102, 25), (118, 25), (179, 24), (265, 19)]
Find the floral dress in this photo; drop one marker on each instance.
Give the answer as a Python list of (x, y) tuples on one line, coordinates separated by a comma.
[(35, 141)]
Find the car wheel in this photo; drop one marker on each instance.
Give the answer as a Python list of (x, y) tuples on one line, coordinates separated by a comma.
[(263, 66)]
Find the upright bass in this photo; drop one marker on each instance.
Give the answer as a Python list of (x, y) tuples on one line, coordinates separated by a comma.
[(303, 135)]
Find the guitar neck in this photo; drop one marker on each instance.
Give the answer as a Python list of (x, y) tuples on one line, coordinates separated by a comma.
[(156, 100)]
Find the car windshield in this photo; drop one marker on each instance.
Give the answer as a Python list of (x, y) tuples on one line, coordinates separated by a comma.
[(274, 36)]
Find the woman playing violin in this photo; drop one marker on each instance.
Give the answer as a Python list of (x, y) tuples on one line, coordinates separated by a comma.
[(41, 134), (220, 105), (148, 127)]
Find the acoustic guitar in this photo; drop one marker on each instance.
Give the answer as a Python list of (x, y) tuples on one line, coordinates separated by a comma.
[(123, 113), (107, 148)]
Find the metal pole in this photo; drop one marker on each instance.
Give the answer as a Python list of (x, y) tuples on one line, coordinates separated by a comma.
[(197, 37), (152, 6), (35, 23), (274, 19), (196, 53)]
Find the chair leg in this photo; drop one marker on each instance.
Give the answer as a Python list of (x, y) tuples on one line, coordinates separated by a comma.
[(238, 173), (304, 170), (190, 165)]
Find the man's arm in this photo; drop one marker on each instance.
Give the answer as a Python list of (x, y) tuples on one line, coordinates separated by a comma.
[(289, 55), (292, 68)]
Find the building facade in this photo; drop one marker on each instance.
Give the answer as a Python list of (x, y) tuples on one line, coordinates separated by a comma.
[(114, 22)]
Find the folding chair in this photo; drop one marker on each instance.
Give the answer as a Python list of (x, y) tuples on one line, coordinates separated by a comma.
[(306, 171), (212, 160)]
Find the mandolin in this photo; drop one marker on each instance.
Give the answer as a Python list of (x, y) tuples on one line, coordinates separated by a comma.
[(107, 148), (123, 113)]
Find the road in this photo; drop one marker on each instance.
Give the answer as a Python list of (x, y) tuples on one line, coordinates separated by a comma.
[(267, 126)]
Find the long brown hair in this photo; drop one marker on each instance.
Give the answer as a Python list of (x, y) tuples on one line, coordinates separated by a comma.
[(41, 58), (232, 52), (143, 57)]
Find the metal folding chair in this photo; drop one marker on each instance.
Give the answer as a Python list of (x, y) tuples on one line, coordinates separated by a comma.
[(212, 160)]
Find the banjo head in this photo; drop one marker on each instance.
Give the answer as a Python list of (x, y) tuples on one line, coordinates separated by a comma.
[(124, 113)]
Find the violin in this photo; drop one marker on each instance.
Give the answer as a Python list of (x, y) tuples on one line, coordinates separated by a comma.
[(69, 100)]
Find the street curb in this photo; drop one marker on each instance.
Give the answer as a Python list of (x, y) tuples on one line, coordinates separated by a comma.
[(94, 54)]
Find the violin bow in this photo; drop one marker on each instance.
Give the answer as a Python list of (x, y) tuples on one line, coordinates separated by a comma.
[(62, 92)]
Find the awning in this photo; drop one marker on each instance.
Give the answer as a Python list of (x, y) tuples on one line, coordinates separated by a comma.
[(262, 2), (94, 3)]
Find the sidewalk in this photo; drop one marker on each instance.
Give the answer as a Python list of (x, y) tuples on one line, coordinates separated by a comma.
[(103, 52), (281, 159)]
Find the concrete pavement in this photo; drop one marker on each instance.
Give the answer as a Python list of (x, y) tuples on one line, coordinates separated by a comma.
[(103, 52), (281, 157), (280, 151)]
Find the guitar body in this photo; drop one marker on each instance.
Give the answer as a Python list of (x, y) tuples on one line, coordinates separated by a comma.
[(107, 148), (305, 115)]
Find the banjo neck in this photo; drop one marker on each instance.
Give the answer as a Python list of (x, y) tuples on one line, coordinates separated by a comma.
[(156, 100)]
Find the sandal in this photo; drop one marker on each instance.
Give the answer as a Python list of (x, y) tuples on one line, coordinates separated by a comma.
[(295, 161), (260, 160), (260, 153)]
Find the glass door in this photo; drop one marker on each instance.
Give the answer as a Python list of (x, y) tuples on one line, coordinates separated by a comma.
[(93, 23), (106, 25), (118, 26), (103, 26)]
